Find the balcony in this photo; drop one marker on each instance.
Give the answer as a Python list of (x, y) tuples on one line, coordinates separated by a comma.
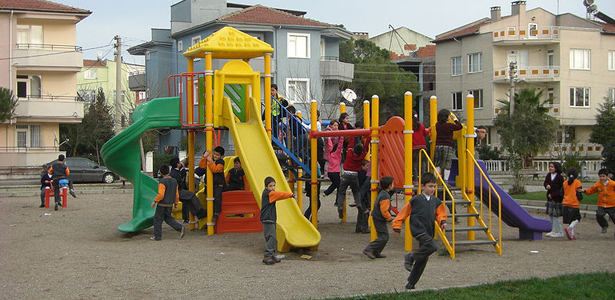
[(41, 56), (137, 82), (333, 69), (530, 73), (554, 110), (54, 109), (523, 36)]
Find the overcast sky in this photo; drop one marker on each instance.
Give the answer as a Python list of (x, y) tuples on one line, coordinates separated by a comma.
[(132, 19)]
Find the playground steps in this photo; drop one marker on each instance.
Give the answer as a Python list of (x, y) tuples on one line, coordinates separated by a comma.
[(475, 242), (466, 228)]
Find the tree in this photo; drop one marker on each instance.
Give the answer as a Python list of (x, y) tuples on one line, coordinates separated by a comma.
[(604, 132), (525, 133), (375, 74), (8, 103)]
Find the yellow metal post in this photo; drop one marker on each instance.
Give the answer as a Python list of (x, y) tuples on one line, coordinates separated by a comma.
[(433, 118), (374, 150), (343, 110), (470, 134), (209, 130), (313, 166), (408, 130), (268, 94)]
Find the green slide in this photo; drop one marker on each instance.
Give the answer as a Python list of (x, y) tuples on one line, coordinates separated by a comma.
[(122, 155)]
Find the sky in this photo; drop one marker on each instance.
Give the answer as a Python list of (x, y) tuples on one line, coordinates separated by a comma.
[(133, 19)]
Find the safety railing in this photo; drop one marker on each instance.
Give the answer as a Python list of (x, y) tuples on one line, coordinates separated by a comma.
[(49, 47), (190, 88), (490, 191), (290, 134), (450, 246)]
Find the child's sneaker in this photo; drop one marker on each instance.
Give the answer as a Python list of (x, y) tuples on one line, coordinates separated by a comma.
[(353, 204), (214, 218), (277, 259), (182, 232), (268, 260), (550, 233), (568, 233), (408, 262), (72, 193), (603, 229), (558, 235)]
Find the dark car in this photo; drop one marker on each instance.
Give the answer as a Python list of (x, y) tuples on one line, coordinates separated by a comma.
[(84, 170)]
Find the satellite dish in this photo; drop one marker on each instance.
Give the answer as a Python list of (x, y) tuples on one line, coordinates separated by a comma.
[(588, 2), (349, 95), (99, 55)]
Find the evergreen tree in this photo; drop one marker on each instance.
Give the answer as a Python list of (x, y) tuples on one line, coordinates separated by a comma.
[(8, 103), (603, 133), (98, 124)]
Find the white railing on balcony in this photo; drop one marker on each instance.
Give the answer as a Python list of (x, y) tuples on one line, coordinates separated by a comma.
[(50, 47), (524, 33), (529, 73), (542, 166)]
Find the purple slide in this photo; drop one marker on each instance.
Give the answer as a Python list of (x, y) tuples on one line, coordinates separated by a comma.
[(530, 227)]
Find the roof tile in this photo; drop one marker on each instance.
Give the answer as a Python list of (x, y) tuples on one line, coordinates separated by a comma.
[(40, 5), (266, 15)]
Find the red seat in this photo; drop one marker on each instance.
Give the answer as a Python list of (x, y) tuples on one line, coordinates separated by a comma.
[(49, 192), (235, 204)]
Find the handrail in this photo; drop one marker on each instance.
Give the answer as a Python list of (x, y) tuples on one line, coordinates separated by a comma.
[(449, 246), (484, 178), (48, 47)]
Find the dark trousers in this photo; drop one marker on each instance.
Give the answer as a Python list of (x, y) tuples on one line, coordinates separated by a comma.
[(335, 182), (56, 190), (308, 192), (378, 244), (364, 207), (163, 213), (191, 204), (352, 181), (600, 215), (218, 198), (271, 242), (43, 196), (420, 256), (415, 164)]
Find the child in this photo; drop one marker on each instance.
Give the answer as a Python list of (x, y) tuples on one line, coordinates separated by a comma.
[(352, 166), (333, 153), (216, 165), (444, 142), (380, 217), (553, 184), (423, 210), (418, 143), (168, 196), (58, 171), (606, 198), (236, 177), (269, 218), (364, 192), (45, 182), (572, 215)]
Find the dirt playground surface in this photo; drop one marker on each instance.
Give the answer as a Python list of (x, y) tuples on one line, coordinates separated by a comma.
[(77, 253)]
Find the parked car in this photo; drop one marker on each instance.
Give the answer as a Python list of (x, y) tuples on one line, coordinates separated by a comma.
[(85, 170)]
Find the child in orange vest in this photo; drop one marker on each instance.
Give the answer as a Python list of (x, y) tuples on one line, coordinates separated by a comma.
[(606, 198), (572, 188)]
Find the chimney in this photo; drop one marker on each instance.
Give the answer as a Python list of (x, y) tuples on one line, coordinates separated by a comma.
[(518, 7), (496, 14)]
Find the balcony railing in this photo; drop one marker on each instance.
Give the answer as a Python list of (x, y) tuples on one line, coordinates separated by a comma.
[(516, 33), (49, 97), (333, 69), (529, 73), (559, 149), (542, 166), (50, 47)]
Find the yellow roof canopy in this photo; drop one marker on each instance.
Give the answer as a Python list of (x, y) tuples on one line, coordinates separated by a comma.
[(229, 43)]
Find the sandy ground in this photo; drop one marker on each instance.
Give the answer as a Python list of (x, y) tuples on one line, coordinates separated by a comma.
[(77, 253)]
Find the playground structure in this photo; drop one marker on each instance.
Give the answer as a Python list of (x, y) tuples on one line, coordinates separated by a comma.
[(235, 105)]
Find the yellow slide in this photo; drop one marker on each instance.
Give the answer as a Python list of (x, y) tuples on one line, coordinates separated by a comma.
[(259, 161)]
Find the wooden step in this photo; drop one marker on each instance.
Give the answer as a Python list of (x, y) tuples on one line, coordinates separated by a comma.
[(458, 202), (475, 242), (463, 215), (466, 228)]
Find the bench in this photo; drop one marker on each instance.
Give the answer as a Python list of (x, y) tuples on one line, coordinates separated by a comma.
[(530, 172)]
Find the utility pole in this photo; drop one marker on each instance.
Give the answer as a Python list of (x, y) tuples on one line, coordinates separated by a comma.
[(512, 77), (118, 84)]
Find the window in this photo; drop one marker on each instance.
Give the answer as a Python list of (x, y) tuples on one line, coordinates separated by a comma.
[(180, 46), (195, 40), (147, 55), (28, 86), (298, 45), (456, 66), (580, 59), (90, 74), (475, 62), (29, 36), (611, 94), (22, 134), (478, 98), (28, 136), (550, 58), (323, 47), (521, 57), (550, 95), (579, 96), (123, 99), (258, 36), (35, 136), (611, 60), (88, 96), (532, 30), (457, 101), (297, 90)]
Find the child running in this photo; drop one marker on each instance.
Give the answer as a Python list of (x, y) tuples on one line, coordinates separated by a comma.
[(381, 216), (553, 184), (269, 218), (572, 197), (424, 210), (352, 166), (167, 197), (606, 198)]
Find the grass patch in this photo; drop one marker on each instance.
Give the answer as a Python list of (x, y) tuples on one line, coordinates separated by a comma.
[(541, 196), (575, 286)]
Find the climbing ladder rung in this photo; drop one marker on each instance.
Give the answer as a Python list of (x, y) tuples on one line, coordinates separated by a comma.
[(467, 228), (464, 215), (475, 242), (458, 202)]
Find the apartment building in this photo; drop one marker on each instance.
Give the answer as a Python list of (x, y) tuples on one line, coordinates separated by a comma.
[(41, 69), (570, 58)]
